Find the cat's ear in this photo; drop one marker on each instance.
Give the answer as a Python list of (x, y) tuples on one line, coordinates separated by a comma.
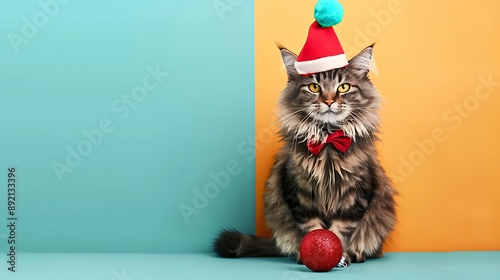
[(360, 64), (289, 59)]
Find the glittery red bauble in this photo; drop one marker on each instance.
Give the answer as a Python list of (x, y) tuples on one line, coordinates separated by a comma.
[(320, 250)]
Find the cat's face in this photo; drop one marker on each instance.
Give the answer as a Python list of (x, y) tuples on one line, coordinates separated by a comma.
[(337, 99)]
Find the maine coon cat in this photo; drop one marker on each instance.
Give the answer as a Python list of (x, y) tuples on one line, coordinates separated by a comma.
[(326, 174)]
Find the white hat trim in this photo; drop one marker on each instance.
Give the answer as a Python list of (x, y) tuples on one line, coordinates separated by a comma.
[(321, 64)]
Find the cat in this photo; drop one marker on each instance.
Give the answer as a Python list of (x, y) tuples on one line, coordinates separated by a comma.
[(339, 186)]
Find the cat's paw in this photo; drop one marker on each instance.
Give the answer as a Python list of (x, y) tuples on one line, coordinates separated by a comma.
[(347, 259), (357, 257)]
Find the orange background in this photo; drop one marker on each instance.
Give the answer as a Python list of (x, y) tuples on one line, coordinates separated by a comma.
[(440, 134)]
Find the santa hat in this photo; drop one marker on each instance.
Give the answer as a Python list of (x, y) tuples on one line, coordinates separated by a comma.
[(322, 50)]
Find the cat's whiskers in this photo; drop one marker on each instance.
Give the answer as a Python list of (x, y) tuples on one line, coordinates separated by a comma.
[(369, 117), (292, 123), (358, 127), (297, 133), (372, 113), (375, 116), (279, 120), (315, 131)]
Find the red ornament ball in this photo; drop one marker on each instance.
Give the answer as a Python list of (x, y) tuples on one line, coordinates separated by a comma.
[(320, 250)]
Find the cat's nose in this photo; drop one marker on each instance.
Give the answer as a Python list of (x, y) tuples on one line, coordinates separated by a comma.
[(328, 102)]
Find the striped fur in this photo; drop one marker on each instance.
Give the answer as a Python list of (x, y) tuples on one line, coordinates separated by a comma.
[(348, 193)]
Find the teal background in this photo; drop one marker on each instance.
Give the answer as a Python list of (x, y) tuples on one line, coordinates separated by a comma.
[(124, 196), (393, 266)]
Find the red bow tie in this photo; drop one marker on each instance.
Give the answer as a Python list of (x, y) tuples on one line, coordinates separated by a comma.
[(338, 139)]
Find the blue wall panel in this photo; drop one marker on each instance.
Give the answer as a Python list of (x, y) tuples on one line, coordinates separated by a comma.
[(123, 121)]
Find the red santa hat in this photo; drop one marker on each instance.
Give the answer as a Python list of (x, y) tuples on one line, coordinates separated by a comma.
[(322, 50)]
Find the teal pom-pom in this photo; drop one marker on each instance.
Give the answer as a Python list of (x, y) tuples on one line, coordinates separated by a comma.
[(328, 12)]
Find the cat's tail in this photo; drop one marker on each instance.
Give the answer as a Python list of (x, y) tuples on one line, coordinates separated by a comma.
[(234, 244)]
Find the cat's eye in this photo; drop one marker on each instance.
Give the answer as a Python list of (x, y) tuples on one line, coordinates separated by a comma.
[(343, 88), (314, 87)]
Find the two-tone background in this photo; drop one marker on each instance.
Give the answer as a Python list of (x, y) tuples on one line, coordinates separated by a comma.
[(148, 126)]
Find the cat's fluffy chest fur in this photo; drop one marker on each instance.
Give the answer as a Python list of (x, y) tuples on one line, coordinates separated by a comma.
[(330, 179)]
